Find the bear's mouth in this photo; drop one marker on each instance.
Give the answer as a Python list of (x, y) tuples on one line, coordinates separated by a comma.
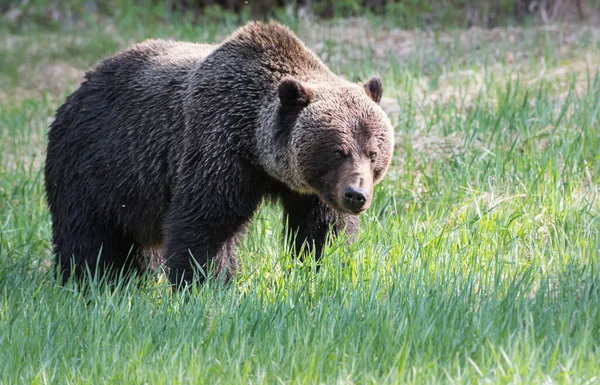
[(331, 201), (355, 211)]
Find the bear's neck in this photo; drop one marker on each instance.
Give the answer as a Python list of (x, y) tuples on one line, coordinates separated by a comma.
[(273, 138)]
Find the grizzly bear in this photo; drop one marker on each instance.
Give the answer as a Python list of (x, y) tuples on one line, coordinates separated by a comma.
[(167, 149)]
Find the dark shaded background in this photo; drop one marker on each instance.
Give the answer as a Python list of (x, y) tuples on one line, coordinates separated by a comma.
[(402, 13)]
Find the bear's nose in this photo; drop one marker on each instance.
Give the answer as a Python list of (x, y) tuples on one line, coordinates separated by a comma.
[(355, 198)]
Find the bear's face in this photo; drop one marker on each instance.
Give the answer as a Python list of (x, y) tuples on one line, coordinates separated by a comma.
[(341, 141)]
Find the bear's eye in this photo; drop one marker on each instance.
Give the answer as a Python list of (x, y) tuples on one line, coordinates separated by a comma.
[(338, 154), (372, 156)]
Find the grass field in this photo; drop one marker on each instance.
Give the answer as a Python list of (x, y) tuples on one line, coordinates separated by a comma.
[(477, 263)]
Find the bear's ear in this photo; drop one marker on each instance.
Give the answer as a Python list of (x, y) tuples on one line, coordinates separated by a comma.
[(292, 93), (374, 88)]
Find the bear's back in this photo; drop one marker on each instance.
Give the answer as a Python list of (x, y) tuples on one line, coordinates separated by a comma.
[(169, 53), (151, 63)]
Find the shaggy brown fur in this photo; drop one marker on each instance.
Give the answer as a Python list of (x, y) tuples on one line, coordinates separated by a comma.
[(170, 147)]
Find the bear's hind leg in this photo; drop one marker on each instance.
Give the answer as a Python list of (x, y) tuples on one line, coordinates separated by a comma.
[(87, 245)]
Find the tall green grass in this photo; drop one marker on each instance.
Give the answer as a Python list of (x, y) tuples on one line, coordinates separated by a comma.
[(477, 263)]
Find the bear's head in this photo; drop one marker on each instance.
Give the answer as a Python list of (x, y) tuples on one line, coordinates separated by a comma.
[(338, 141)]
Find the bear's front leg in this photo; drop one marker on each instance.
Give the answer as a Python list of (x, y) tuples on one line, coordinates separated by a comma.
[(204, 221), (203, 243), (309, 221)]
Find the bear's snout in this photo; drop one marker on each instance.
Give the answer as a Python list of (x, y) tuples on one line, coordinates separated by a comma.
[(355, 199)]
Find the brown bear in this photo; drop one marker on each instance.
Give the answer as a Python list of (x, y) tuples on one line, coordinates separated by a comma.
[(167, 149)]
